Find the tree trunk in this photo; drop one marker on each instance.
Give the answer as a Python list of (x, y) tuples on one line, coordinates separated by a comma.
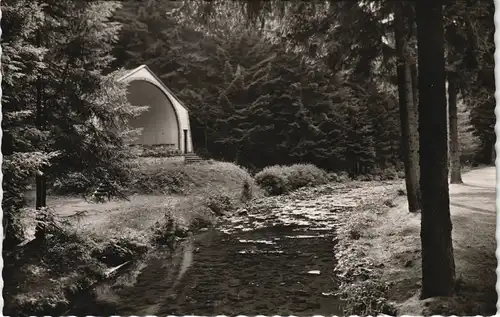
[(40, 178), (488, 152), (41, 192), (438, 265), (414, 84), (455, 166), (407, 112)]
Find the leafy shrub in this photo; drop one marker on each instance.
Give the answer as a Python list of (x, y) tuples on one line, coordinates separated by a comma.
[(168, 230), (367, 298), (160, 152), (272, 180), (179, 178), (65, 248), (339, 177), (18, 170), (219, 203), (302, 175), (22, 225), (154, 151), (277, 180), (63, 262), (27, 221), (119, 250)]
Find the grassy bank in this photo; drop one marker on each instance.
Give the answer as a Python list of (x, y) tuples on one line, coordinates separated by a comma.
[(379, 260), (86, 240)]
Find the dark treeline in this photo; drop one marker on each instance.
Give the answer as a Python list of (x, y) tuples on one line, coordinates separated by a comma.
[(318, 87), (256, 102)]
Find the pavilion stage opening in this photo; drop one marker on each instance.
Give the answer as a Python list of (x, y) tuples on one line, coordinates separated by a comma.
[(159, 123), (166, 123)]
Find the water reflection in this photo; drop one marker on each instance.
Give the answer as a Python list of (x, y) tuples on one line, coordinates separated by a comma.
[(187, 257), (262, 270)]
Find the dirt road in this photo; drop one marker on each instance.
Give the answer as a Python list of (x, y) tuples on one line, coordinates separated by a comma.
[(473, 213)]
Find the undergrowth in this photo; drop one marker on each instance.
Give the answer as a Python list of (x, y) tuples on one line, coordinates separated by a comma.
[(168, 230), (180, 178), (44, 275), (339, 177), (278, 179), (158, 151), (361, 288)]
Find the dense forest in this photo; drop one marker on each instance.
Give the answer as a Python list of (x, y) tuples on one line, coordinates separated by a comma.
[(296, 87), (279, 87)]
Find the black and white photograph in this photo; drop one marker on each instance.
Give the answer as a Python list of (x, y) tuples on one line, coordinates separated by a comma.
[(248, 157)]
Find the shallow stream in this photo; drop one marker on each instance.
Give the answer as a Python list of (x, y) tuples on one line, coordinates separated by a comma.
[(274, 259)]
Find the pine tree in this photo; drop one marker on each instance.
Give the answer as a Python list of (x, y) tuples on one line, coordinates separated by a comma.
[(66, 116), (469, 142), (23, 146), (470, 45), (408, 113), (82, 100)]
